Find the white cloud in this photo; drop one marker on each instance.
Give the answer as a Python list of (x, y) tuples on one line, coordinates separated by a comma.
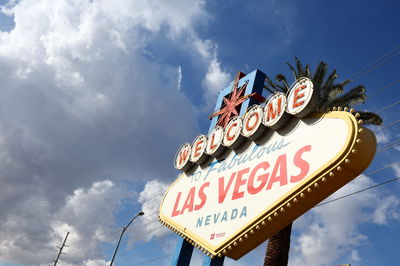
[(88, 215), (216, 79), (396, 169), (179, 79), (355, 256), (331, 231), (149, 227), (97, 262), (386, 210), (382, 136), (82, 102), (206, 48)]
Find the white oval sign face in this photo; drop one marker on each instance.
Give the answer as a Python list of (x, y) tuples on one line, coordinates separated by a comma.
[(198, 149), (252, 121), (299, 96), (232, 131), (274, 109), (233, 205), (182, 157), (214, 140)]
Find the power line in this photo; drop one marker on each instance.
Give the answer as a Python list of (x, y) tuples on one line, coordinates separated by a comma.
[(153, 259), (377, 171), (388, 106), (378, 62), (359, 191), (391, 145), (385, 61), (152, 229), (381, 169), (157, 197), (386, 126), (384, 87), (151, 241)]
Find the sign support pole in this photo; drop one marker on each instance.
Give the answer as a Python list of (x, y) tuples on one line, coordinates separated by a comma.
[(207, 261), (183, 253)]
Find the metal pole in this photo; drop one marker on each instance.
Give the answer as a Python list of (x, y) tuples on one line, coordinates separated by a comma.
[(122, 233), (116, 248), (183, 253), (61, 248)]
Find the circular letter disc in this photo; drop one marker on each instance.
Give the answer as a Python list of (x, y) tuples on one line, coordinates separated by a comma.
[(301, 98), (214, 142), (198, 154), (252, 122), (274, 111), (181, 161), (232, 133)]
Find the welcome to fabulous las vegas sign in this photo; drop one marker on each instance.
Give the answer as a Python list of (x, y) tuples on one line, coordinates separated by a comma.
[(255, 173)]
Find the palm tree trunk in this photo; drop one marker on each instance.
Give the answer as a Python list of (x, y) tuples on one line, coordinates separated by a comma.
[(278, 248)]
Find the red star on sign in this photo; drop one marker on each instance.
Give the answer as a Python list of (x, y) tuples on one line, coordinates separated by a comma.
[(235, 99)]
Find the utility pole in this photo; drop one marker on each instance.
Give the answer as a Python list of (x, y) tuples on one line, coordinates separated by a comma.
[(61, 248)]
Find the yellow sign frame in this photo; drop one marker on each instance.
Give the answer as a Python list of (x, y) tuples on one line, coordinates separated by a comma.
[(354, 157)]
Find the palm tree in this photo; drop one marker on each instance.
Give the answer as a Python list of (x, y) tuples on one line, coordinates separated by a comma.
[(332, 94)]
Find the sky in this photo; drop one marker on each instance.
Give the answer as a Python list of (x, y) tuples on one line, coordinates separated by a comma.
[(97, 96)]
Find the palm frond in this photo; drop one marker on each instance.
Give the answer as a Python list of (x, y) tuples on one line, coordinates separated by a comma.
[(295, 75), (337, 89), (300, 71), (270, 86), (331, 93), (370, 118), (353, 97), (328, 87), (268, 89), (281, 78), (308, 72), (320, 74)]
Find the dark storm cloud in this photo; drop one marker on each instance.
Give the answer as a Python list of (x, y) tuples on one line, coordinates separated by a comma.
[(80, 104)]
